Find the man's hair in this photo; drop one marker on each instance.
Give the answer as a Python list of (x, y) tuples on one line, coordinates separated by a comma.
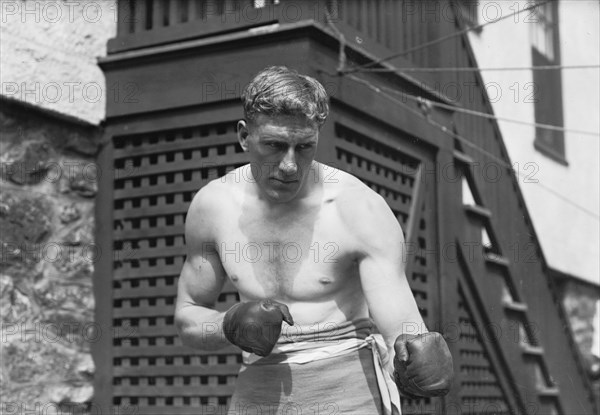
[(277, 90)]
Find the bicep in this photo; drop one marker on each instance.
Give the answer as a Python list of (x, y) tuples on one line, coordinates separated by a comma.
[(202, 276), (201, 279)]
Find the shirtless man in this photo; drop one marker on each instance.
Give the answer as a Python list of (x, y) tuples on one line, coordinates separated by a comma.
[(321, 259)]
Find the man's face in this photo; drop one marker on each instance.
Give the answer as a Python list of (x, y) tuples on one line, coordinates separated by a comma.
[(281, 149)]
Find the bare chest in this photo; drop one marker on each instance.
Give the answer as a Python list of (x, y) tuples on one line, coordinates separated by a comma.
[(302, 256)]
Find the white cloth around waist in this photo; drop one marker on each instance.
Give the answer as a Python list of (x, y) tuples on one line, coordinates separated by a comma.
[(306, 352)]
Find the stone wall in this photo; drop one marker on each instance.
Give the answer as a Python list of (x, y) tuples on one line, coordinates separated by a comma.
[(581, 305), (48, 180)]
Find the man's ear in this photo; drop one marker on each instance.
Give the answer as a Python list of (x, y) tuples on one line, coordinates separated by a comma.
[(243, 133)]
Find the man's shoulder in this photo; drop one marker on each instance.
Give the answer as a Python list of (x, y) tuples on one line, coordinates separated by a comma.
[(346, 187), (218, 193), (364, 212), (354, 199)]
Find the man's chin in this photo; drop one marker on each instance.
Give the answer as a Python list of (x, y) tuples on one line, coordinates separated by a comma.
[(282, 195)]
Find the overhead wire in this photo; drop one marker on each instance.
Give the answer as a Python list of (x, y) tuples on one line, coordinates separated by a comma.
[(444, 38), (459, 109), (475, 69), (366, 68), (467, 142), (495, 117), (378, 89), (421, 100)]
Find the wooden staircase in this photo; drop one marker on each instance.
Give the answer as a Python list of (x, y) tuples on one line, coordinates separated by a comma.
[(536, 376)]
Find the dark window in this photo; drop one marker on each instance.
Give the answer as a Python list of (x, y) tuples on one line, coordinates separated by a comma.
[(468, 11), (547, 83)]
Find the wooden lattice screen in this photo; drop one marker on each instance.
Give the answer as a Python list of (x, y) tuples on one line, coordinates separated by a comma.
[(152, 371)]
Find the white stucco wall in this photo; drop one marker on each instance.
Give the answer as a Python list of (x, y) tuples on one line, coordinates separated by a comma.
[(563, 200), (49, 54)]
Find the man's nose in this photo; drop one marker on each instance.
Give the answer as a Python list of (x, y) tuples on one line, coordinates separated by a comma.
[(288, 165)]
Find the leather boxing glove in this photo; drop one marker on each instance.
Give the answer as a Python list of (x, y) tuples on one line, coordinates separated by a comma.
[(255, 326), (423, 365)]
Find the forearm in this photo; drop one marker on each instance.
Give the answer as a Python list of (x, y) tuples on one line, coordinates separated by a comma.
[(200, 327), (391, 303), (392, 322)]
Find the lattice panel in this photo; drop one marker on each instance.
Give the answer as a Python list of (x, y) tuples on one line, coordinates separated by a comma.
[(385, 170), (480, 391), (392, 174), (161, 173)]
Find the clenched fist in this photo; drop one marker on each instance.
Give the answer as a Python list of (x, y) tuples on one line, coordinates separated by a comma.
[(255, 326), (423, 365)]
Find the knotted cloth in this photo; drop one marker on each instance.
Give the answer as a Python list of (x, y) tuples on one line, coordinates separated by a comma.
[(344, 369)]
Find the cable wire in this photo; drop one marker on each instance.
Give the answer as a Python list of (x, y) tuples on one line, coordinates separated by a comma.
[(454, 108), (444, 129), (475, 69), (444, 38), (468, 143), (420, 114), (365, 68), (497, 118)]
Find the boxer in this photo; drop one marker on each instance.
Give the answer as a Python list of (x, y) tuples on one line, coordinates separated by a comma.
[(318, 260)]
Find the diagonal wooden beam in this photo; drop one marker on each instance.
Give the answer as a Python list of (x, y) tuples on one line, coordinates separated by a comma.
[(414, 214)]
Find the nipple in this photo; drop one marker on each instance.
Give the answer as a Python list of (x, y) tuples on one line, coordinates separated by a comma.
[(325, 280)]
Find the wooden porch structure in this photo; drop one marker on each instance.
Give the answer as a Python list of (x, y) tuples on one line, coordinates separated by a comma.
[(177, 69)]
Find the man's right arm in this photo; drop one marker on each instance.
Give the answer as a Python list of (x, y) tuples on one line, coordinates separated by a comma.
[(201, 280), (254, 326)]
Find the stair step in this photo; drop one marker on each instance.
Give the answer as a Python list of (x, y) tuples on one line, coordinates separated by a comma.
[(532, 350), (548, 391), (462, 157), (496, 259), (478, 210), (515, 306)]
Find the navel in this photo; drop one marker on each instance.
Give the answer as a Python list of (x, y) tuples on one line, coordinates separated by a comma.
[(234, 277)]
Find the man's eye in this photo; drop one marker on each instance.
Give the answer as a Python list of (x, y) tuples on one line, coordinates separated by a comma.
[(275, 145), (304, 146)]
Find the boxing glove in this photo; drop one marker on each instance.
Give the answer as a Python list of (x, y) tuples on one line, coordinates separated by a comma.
[(255, 326), (423, 365)]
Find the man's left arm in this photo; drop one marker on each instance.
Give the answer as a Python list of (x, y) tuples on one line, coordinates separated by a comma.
[(382, 272), (422, 361)]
